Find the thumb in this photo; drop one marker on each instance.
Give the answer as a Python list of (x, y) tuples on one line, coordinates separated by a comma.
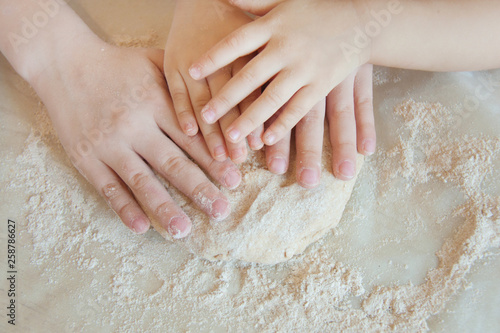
[(256, 7)]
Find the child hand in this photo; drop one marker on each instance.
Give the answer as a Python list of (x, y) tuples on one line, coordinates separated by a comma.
[(349, 113), (299, 54), (114, 117), (197, 26)]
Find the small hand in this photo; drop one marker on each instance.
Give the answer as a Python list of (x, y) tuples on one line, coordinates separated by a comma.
[(299, 54)]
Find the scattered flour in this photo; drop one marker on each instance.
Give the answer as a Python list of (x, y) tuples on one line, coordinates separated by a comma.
[(117, 281), (382, 75)]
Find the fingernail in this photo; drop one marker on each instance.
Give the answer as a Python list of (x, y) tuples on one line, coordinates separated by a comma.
[(234, 134), (140, 226), (189, 129), (179, 227), (346, 169), (220, 209), (270, 139), (220, 151), (232, 179), (369, 146), (195, 72), (208, 115), (278, 165), (309, 177)]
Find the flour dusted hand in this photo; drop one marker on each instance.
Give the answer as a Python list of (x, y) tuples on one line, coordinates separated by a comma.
[(112, 112)]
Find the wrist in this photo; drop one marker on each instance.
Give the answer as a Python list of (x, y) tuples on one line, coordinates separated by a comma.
[(58, 54), (376, 20), (37, 34)]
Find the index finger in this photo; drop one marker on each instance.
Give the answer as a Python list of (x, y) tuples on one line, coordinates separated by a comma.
[(247, 39)]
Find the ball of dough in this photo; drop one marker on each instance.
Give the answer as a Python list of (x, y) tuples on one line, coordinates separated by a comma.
[(272, 217)]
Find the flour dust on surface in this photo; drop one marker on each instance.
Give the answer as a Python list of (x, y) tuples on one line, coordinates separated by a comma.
[(119, 281)]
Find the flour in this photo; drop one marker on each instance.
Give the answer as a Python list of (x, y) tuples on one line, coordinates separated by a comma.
[(262, 228), (116, 281), (382, 75)]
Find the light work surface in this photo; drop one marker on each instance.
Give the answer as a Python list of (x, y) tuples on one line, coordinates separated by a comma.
[(416, 250)]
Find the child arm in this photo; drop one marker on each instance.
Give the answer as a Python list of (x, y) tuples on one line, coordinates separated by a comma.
[(309, 47)]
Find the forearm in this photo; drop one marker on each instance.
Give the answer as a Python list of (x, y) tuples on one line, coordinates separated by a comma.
[(440, 35), (34, 32)]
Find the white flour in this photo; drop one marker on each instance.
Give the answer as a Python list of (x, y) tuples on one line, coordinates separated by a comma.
[(115, 281)]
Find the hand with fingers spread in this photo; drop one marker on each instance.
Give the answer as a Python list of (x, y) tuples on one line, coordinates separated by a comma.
[(197, 26), (298, 55), (349, 113), (112, 112), (307, 47)]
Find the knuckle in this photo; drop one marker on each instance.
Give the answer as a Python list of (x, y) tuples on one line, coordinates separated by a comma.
[(365, 103), (201, 188), (248, 124), (310, 152), (234, 41), (125, 209), (345, 148), (203, 194), (184, 114), (209, 59), (295, 112), (192, 143), (343, 112), (200, 102), (248, 76), (273, 98), (111, 190), (309, 156), (223, 101), (178, 95), (212, 136), (288, 120), (174, 165), (139, 180), (164, 208), (313, 117)]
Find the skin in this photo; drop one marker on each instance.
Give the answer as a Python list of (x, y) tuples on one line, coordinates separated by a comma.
[(284, 45), (302, 54), (186, 42), (349, 105), (121, 123), (111, 109)]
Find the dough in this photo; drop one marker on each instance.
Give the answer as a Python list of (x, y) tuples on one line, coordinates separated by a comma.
[(272, 217)]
